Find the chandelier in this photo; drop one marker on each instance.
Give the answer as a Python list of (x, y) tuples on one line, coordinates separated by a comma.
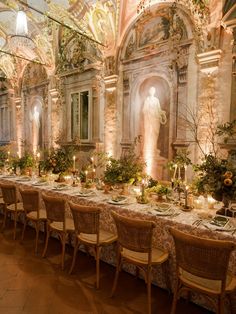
[(21, 39)]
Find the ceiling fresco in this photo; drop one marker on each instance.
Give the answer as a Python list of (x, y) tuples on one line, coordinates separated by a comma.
[(104, 21)]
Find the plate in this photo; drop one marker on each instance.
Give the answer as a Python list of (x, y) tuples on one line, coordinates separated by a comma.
[(62, 187), (164, 211), (219, 223), (23, 179), (40, 183), (85, 193), (118, 200)]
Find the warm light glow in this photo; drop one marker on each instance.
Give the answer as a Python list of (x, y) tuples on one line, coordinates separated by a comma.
[(21, 24)]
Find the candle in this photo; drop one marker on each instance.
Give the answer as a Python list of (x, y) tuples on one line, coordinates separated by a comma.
[(38, 156), (186, 196), (175, 172), (94, 173), (143, 185), (86, 173), (179, 176), (92, 160), (73, 163), (185, 174), (211, 202)]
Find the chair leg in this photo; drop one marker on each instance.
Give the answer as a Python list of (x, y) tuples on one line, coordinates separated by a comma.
[(46, 241), (97, 266), (63, 243), (74, 256), (23, 231), (4, 220), (118, 266), (174, 302), (37, 237), (149, 296), (15, 223), (220, 305)]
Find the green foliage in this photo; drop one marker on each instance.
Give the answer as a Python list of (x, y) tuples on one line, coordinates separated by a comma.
[(27, 161), (127, 169), (182, 159), (216, 176), (3, 157), (59, 160), (159, 189), (227, 130)]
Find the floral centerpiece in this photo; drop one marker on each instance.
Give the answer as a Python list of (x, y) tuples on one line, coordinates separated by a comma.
[(25, 163), (160, 190), (216, 177), (127, 169), (58, 161)]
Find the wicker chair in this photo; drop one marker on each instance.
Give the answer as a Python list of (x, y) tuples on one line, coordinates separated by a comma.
[(11, 204), (86, 220), (57, 221), (202, 266), (33, 212), (135, 246)]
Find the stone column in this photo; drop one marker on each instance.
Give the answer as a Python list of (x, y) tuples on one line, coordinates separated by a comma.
[(54, 119), (110, 113), (208, 108), (18, 126)]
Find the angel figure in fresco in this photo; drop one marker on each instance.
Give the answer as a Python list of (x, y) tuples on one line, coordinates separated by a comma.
[(153, 117)]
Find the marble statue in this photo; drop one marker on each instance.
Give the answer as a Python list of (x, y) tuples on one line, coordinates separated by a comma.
[(153, 117), (35, 120)]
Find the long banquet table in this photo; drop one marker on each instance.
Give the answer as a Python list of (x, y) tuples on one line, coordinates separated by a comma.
[(162, 238)]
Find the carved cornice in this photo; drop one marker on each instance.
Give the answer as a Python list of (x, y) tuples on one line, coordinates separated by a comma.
[(209, 61)]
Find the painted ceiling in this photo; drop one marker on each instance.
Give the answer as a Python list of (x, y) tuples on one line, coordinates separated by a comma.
[(105, 21)]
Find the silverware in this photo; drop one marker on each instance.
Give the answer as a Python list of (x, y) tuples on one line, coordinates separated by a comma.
[(197, 222)]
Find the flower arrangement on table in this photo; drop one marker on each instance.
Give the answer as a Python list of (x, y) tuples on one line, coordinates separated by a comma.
[(160, 190), (216, 177), (25, 163), (127, 169), (58, 161)]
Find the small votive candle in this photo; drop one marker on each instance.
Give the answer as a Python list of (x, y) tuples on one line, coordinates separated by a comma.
[(73, 163), (211, 202)]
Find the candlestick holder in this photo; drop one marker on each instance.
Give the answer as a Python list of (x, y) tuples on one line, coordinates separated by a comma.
[(74, 173)]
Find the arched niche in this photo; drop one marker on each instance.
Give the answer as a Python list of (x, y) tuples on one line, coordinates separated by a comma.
[(35, 107), (158, 50)]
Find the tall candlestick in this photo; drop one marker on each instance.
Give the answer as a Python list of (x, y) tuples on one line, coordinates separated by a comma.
[(186, 196), (179, 176), (73, 163), (174, 175), (86, 173), (185, 174)]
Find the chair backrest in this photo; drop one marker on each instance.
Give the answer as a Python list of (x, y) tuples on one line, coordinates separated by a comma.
[(86, 218), (55, 208), (202, 257), (30, 199), (9, 193), (134, 234)]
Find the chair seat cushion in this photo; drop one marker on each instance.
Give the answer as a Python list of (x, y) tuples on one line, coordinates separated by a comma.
[(105, 237), (158, 256), (33, 215), (57, 225), (208, 285), (19, 207)]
